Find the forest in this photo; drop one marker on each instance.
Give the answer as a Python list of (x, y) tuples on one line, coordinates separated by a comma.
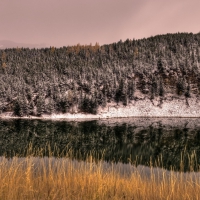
[(83, 78)]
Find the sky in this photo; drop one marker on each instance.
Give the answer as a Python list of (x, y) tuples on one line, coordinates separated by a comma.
[(69, 22)]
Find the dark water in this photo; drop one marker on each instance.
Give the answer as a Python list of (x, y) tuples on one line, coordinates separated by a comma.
[(159, 142)]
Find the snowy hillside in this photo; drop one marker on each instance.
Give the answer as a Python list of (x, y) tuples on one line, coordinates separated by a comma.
[(157, 76)]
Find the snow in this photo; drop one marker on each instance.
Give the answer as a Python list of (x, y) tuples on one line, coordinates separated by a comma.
[(139, 108)]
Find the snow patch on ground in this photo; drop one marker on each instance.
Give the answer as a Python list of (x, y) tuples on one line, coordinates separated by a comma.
[(139, 108)]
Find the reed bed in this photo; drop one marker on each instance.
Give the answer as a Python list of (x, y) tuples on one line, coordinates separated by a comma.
[(65, 178)]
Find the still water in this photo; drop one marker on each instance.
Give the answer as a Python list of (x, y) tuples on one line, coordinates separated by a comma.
[(167, 143)]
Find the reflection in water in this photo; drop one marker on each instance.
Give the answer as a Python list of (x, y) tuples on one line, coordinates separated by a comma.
[(166, 142)]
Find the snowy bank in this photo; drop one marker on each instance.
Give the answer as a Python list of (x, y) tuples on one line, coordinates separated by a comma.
[(139, 108)]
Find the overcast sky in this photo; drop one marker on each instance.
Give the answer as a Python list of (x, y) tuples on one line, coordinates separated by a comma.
[(68, 22)]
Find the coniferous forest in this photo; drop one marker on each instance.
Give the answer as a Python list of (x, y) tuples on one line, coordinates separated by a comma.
[(86, 77)]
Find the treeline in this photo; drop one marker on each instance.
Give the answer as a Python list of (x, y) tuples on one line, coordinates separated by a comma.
[(82, 78)]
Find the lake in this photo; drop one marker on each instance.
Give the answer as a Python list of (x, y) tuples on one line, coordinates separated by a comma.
[(159, 142)]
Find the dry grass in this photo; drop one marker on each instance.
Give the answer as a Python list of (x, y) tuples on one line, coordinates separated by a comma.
[(51, 178)]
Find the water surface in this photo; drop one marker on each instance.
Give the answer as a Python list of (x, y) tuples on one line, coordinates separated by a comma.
[(168, 143)]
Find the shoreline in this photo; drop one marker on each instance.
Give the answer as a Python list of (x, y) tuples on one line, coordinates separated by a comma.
[(145, 108), (86, 117)]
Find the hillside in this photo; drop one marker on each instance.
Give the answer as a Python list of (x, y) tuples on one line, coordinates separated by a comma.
[(5, 44), (161, 71)]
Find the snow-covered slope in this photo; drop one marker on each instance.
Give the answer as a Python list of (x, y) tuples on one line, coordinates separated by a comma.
[(143, 108), (139, 108), (154, 77)]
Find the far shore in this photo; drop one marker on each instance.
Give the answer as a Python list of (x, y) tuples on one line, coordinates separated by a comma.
[(84, 117), (176, 108)]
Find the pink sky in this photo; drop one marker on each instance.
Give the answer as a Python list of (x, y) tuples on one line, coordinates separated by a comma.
[(68, 22)]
